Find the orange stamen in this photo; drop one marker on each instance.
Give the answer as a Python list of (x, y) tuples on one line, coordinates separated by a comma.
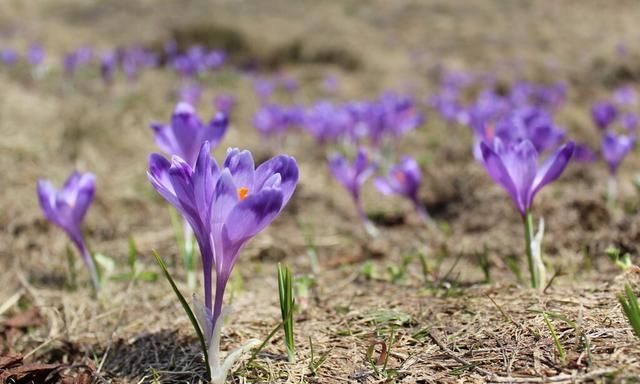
[(400, 177), (242, 193)]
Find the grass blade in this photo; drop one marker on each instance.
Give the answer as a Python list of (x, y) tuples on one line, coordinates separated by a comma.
[(556, 340), (187, 309), (285, 290)]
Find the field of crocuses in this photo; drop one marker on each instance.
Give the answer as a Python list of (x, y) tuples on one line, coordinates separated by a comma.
[(319, 192)]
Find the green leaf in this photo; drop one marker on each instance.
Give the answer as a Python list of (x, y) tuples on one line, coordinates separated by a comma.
[(554, 335), (187, 309), (147, 276)]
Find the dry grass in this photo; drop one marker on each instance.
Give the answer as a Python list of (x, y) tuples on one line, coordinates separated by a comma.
[(438, 327)]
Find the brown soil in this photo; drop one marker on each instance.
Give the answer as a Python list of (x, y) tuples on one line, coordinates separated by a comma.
[(445, 325)]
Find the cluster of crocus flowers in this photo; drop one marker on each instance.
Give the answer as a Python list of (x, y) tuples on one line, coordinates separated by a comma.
[(34, 56), (515, 167), (618, 124), (183, 137), (225, 206), (352, 175), (67, 208), (404, 179), (195, 61)]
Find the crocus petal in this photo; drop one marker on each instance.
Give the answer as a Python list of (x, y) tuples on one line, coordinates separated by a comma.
[(361, 161), (340, 169), (552, 168), (158, 175), (246, 219), (273, 182), (165, 140), (187, 127), (283, 165), (216, 129), (615, 148), (85, 193), (498, 172), (383, 186), (71, 184), (47, 198), (242, 168), (180, 176), (205, 173), (226, 197), (521, 162)]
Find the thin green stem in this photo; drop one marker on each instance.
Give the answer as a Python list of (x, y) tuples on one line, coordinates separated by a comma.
[(528, 236)]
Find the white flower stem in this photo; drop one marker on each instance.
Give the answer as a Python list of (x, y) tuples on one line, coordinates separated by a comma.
[(528, 237), (534, 251), (219, 371)]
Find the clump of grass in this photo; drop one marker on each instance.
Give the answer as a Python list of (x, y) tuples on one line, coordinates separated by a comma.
[(622, 261), (629, 302), (287, 302), (315, 364)]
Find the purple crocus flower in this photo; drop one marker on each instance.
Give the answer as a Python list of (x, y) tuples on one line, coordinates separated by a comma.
[(603, 114), (9, 56), (263, 89), (67, 208), (35, 55), (514, 166), (214, 60), (184, 66), (533, 124), (108, 66), (404, 180), (184, 136), (352, 175), (224, 103), (629, 121), (625, 95), (225, 208), (615, 148), (327, 121)]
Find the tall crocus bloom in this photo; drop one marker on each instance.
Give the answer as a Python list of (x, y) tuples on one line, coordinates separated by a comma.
[(614, 149), (352, 175), (183, 137), (515, 168), (225, 207), (67, 208), (185, 134), (603, 114), (404, 180)]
